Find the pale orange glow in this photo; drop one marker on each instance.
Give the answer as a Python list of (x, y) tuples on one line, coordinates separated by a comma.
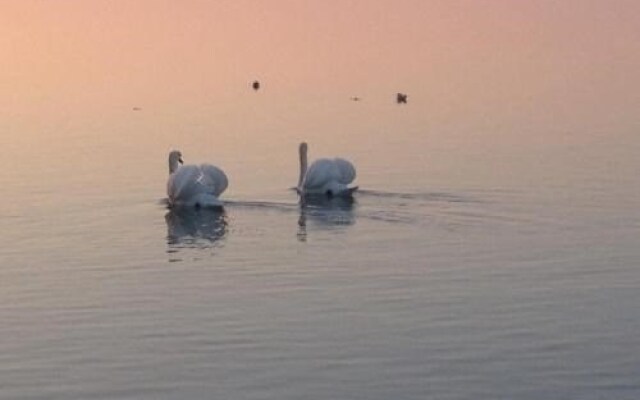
[(495, 67), (106, 51)]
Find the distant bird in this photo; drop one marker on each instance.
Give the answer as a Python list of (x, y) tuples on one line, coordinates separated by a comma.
[(355, 98), (401, 98), (194, 185), (325, 177), (255, 85), (136, 108)]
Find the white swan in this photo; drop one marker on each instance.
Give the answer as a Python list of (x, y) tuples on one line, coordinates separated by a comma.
[(329, 177), (194, 185)]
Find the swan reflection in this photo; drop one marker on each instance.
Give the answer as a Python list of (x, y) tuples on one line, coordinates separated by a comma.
[(325, 213), (189, 227)]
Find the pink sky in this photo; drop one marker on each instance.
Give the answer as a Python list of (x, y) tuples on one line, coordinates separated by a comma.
[(578, 54)]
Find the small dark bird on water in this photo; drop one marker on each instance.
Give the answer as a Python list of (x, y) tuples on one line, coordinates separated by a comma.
[(355, 98), (401, 98), (255, 85)]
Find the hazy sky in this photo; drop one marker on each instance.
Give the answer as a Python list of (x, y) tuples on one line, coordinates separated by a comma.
[(573, 57)]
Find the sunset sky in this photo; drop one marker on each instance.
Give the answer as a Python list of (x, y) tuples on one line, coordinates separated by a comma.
[(570, 58)]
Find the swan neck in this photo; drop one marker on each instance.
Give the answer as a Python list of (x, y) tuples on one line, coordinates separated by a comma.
[(303, 167), (173, 165)]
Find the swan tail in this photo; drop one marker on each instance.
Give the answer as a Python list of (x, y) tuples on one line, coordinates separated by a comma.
[(339, 190), (331, 189)]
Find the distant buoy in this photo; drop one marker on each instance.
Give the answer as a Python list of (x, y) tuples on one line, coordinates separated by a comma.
[(401, 98), (255, 85)]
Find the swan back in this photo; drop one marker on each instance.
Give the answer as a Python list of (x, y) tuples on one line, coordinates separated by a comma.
[(320, 173), (328, 176)]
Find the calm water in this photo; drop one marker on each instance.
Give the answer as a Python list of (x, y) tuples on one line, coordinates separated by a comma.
[(480, 260)]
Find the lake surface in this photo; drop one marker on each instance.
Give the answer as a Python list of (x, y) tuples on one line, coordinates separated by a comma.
[(473, 263)]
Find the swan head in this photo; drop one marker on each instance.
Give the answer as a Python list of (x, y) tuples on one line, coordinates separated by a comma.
[(303, 148), (175, 158)]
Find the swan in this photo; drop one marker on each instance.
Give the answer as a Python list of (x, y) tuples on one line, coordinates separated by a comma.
[(329, 177), (194, 185)]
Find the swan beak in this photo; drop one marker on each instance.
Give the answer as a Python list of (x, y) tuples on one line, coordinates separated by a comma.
[(180, 160)]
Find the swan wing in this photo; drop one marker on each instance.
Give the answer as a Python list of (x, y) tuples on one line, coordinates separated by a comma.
[(319, 174), (183, 184), (345, 169), (214, 178)]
